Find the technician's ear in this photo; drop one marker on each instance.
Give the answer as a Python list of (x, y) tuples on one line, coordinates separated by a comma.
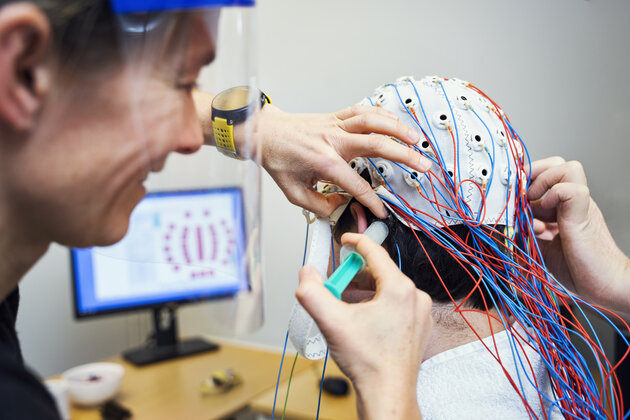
[(24, 68)]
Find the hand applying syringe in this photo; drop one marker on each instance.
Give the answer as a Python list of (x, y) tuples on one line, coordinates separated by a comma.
[(373, 342), (352, 263)]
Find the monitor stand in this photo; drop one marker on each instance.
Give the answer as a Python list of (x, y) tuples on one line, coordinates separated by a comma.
[(166, 345)]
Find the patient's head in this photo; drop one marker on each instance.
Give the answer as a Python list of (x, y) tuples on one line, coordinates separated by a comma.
[(463, 232), (449, 225), (421, 263)]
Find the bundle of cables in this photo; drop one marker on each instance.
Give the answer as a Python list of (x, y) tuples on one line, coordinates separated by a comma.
[(479, 181)]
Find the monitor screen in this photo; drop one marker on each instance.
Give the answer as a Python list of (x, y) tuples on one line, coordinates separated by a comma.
[(181, 246)]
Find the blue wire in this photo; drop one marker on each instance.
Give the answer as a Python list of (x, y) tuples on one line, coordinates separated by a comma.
[(305, 245), (319, 398), (459, 173), (321, 385), (492, 160), (275, 395), (544, 330), (515, 310), (332, 247), (286, 338)]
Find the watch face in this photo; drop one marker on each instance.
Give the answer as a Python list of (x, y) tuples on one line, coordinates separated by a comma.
[(232, 99)]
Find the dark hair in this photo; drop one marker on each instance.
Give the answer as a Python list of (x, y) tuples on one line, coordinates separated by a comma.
[(415, 264), (83, 31)]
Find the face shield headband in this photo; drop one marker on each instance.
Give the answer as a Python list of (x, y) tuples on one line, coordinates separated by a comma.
[(195, 237)]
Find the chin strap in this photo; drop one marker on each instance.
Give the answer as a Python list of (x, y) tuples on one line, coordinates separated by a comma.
[(303, 331)]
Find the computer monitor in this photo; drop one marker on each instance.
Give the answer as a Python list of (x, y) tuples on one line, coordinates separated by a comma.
[(181, 247)]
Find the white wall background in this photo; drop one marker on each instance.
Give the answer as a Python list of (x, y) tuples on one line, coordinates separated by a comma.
[(560, 69)]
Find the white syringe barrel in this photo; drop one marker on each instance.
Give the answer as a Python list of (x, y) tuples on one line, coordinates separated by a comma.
[(377, 232)]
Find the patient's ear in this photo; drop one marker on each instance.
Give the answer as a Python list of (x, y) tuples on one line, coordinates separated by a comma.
[(358, 214), (24, 65)]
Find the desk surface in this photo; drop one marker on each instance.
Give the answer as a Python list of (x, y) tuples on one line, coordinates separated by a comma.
[(302, 404), (170, 390)]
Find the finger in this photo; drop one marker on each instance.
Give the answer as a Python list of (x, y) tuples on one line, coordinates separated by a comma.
[(551, 231), (546, 235), (571, 172), (378, 145), (543, 214), (423, 312), (362, 109), (539, 226), (542, 231), (552, 227), (542, 165), (318, 203), (571, 200), (357, 295), (382, 268), (322, 305), (364, 281), (372, 122), (351, 182)]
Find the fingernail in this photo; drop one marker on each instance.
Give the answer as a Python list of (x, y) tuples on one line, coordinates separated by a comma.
[(415, 136), (425, 164), (383, 213), (391, 115)]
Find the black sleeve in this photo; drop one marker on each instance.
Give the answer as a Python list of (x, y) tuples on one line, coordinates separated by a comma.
[(8, 316), (22, 395)]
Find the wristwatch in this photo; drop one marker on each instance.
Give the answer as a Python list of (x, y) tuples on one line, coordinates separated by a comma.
[(229, 108)]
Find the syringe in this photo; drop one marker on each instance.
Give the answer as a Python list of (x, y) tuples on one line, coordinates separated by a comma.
[(352, 262)]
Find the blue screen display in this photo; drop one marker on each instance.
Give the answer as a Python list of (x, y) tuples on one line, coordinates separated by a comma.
[(180, 246)]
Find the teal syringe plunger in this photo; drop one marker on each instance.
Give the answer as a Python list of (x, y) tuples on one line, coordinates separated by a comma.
[(352, 262)]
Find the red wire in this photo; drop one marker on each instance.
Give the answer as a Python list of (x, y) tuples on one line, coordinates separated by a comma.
[(523, 273)]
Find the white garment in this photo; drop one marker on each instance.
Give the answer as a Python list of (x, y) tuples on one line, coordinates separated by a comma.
[(468, 383)]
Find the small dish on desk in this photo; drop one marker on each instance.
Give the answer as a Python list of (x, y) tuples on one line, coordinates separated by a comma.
[(220, 382), (93, 384)]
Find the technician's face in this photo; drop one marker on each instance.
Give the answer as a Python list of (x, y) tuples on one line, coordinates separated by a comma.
[(98, 140)]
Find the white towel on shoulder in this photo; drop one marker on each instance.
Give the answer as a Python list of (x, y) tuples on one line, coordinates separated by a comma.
[(468, 383)]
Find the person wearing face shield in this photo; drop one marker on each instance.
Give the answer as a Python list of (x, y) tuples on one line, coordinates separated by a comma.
[(95, 95)]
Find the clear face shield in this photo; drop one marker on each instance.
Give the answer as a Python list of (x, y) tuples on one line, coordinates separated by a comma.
[(195, 236)]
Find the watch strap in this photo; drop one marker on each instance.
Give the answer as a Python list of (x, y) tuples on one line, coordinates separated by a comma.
[(224, 137), (223, 123)]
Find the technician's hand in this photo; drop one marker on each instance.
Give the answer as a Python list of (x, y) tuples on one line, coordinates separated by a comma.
[(576, 243), (300, 149), (379, 343)]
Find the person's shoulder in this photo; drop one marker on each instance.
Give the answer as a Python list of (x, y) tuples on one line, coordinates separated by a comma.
[(22, 395)]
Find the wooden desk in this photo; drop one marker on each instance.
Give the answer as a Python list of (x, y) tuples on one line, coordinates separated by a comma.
[(302, 403), (170, 390)]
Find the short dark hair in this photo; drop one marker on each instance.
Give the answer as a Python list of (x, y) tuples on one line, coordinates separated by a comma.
[(84, 32), (415, 263)]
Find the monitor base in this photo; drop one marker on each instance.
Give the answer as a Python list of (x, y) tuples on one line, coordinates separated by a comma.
[(146, 355)]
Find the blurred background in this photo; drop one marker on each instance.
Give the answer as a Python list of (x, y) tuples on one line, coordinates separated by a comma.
[(560, 70)]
